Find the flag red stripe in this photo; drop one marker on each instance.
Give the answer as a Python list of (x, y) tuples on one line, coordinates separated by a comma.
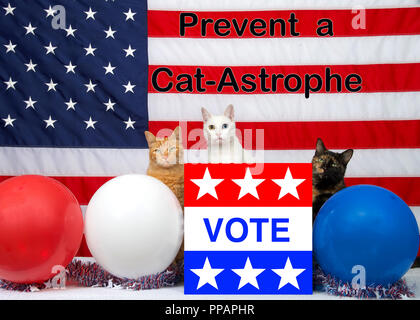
[(375, 78), (408, 188), (301, 135), (396, 21)]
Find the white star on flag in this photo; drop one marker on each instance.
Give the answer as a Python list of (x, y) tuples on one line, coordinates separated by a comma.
[(90, 86), (50, 122), (129, 87), (30, 29), (248, 275), (8, 121), (30, 103), (129, 51), (51, 85), (129, 123), (71, 104), (90, 14), (248, 184), (70, 67), (207, 275), (70, 31), (129, 15), (288, 185), (109, 68), (31, 66), (109, 105), (109, 33), (90, 123), (90, 50), (288, 275), (9, 10), (207, 185), (10, 47), (10, 83), (50, 12), (50, 48)]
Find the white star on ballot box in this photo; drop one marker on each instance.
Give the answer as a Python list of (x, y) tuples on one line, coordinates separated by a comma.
[(248, 228)]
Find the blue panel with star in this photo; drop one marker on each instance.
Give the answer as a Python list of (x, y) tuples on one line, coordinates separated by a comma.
[(248, 272), (74, 73)]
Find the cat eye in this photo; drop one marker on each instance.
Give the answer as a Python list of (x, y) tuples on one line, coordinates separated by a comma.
[(211, 127), (157, 150), (224, 126), (172, 149)]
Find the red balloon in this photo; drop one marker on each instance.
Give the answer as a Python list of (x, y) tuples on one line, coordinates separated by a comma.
[(41, 226)]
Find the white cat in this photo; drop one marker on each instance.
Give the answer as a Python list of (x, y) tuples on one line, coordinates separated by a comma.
[(222, 143)]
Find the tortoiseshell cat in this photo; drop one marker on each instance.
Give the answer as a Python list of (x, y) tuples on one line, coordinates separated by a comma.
[(328, 169), (166, 163)]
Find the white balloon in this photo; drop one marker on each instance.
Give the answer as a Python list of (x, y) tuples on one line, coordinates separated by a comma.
[(134, 226)]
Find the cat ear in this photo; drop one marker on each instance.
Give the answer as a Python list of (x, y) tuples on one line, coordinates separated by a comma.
[(320, 147), (150, 137), (206, 114), (229, 112), (176, 134), (347, 155)]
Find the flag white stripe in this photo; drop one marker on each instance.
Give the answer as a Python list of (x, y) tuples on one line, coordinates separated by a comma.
[(286, 51), (240, 5), (72, 161), (416, 212), (114, 162), (288, 107)]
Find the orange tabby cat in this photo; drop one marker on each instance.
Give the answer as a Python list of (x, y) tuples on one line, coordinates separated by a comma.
[(166, 163)]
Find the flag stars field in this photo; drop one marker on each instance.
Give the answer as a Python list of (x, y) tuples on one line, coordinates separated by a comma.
[(78, 79)]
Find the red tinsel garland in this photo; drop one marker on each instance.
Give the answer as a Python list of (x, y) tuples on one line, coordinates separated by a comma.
[(90, 274)]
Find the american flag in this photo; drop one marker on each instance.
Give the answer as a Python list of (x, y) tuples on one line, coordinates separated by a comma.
[(76, 96)]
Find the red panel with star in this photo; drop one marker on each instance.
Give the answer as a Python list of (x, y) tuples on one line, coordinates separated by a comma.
[(248, 185)]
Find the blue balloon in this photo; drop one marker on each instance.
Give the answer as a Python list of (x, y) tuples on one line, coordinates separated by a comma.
[(366, 226)]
